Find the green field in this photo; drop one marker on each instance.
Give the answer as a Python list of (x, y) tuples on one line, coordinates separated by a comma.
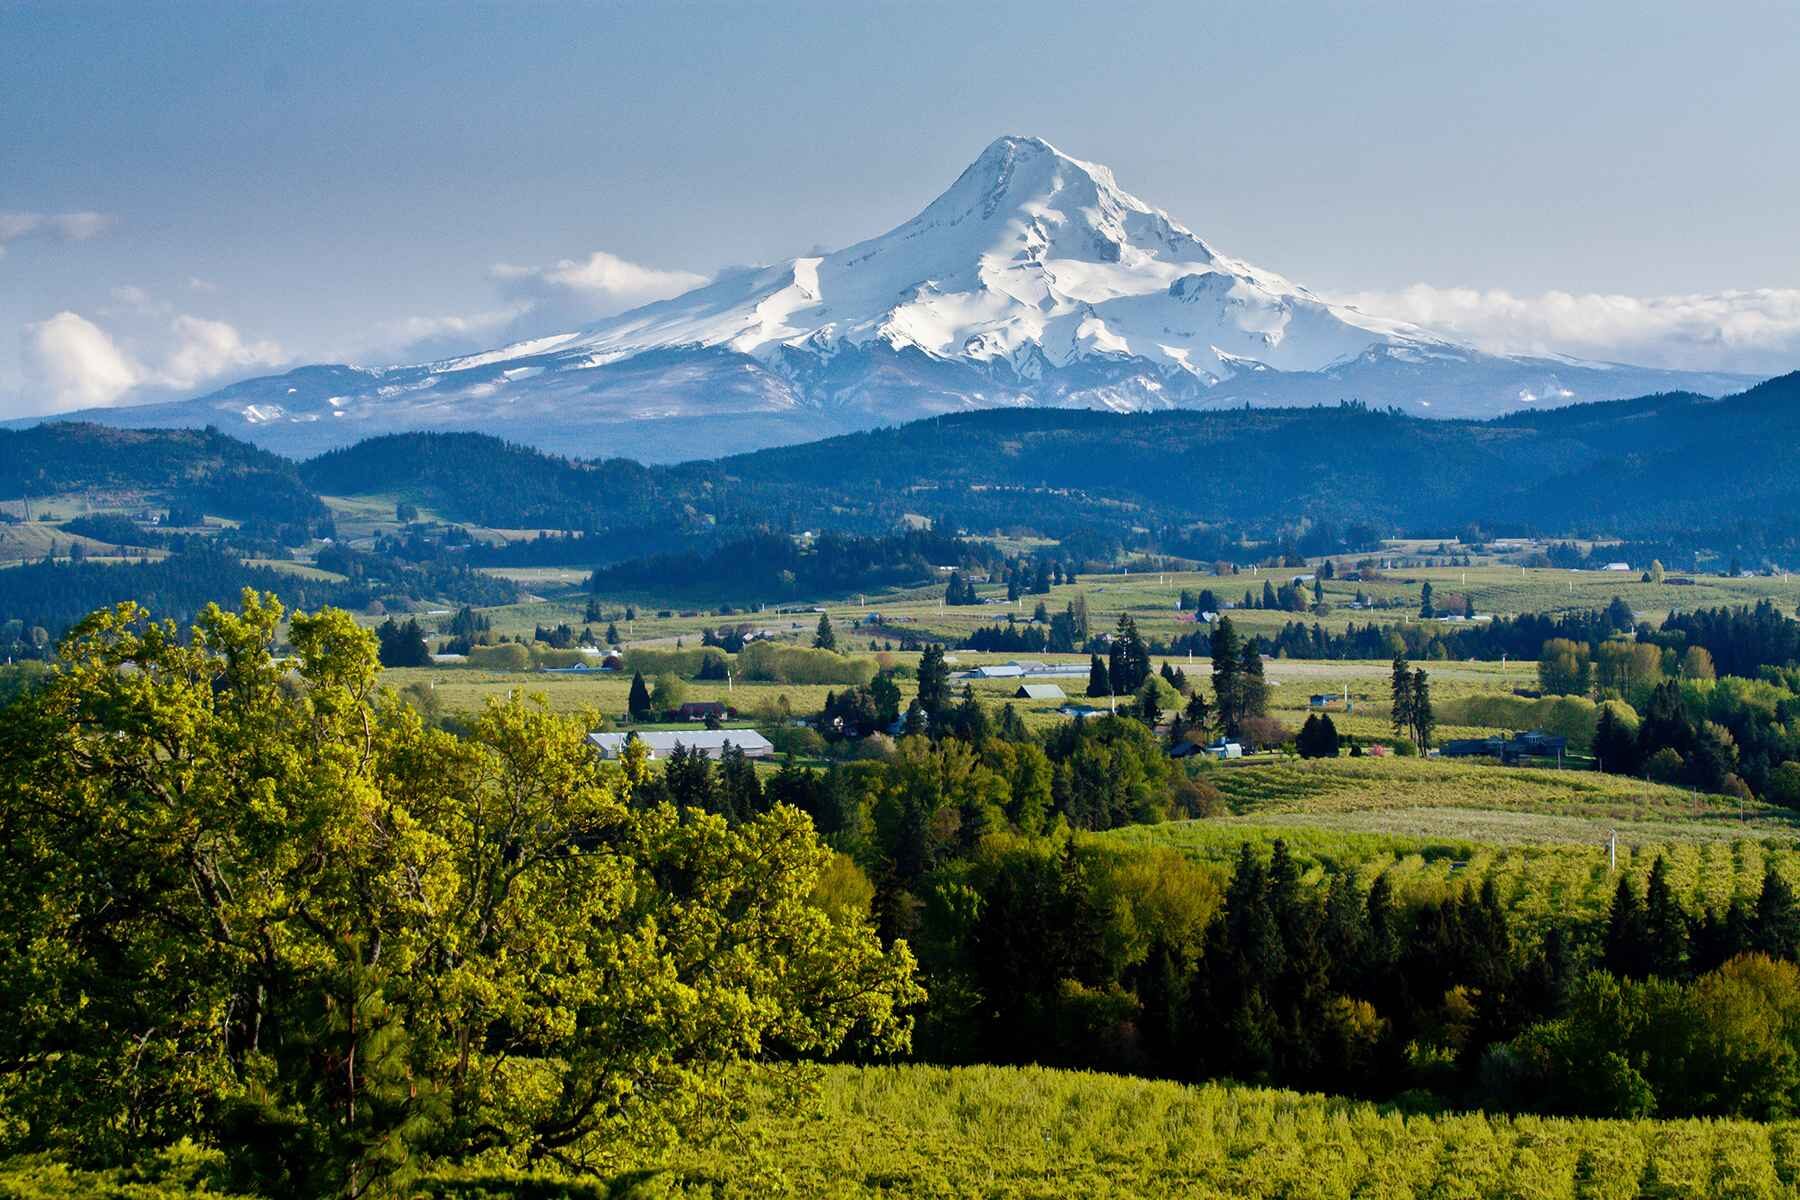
[(1026, 1132), (1029, 1132)]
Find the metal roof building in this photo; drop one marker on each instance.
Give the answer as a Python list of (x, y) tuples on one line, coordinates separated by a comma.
[(710, 742), (1039, 691)]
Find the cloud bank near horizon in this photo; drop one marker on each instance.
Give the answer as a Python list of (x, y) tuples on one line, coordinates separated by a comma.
[(1753, 331)]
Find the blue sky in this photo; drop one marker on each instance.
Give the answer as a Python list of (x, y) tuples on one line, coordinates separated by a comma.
[(193, 193)]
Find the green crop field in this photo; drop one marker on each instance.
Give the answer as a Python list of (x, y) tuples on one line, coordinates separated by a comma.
[(1538, 881), (1026, 1132)]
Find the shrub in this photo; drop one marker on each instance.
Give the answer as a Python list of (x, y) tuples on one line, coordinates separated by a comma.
[(772, 662), (507, 656)]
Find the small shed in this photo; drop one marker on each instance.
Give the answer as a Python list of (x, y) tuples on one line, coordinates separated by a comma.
[(1039, 691)]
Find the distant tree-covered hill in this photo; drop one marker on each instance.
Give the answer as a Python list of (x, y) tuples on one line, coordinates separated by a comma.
[(1676, 469), (197, 468)]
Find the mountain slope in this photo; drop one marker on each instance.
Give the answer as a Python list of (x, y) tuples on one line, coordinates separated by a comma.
[(1033, 280)]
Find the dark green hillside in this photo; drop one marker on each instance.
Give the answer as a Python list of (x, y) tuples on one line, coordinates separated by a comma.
[(1677, 470), (198, 468), (480, 479)]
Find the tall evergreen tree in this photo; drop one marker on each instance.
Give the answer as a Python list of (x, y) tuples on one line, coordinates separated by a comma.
[(1099, 678), (934, 686), (1777, 921), (1130, 657), (1227, 653), (1626, 950), (1253, 692), (1665, 924), (1424, 721), (639, 700), (825, 638), (1426, 608), (1402, 693)]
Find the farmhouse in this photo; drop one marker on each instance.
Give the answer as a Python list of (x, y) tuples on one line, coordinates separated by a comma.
[(1534, 744), (700, 710), (709, 742)]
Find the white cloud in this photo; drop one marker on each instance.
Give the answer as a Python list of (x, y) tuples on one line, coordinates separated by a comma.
[(536, 300), (1755, 331), (206, 349), (68, 227), (584, 289), (70, 362), (413, 330)]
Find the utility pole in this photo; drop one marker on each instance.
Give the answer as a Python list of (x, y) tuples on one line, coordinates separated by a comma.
[(1612, 850)]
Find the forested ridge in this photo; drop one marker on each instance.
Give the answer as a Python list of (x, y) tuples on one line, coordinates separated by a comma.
[(1653, 469)]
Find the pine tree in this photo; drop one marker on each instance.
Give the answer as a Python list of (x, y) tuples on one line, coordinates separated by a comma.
[(1197, 714), (1425, 606), (1402, 698), (591, 613), (934, 686), (1099, 679), (824, 639), (1424, 721), (612, 634), (1777, 922), (1665, 924), (1226, 653), (1253, 693), (1130, 657), (1625, 950), (639, 701)]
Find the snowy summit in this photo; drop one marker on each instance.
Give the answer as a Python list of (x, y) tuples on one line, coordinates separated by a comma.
[(1035, 279)]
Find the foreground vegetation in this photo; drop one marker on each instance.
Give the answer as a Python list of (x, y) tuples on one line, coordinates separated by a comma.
[(272, 911), (1028, 1132)]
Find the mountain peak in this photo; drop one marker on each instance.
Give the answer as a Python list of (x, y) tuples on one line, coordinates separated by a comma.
[(1034, 278)]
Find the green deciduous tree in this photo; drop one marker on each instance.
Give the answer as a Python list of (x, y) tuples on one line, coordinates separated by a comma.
[(278, 914)]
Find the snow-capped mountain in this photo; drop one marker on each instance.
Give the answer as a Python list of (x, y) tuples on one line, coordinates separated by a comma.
[(1034, 279)]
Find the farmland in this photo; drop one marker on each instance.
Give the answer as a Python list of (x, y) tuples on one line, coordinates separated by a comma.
[(1028, 1132)]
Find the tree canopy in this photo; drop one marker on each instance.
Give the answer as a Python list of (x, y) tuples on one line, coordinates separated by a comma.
[(273, 911)]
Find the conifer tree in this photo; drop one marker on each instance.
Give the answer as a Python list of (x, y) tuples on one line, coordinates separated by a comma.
[(1099, 679), (934, 686), (1402, 698), (1253, 693), (1424, 721), (824, 638), (1226, 656), (639, 700)]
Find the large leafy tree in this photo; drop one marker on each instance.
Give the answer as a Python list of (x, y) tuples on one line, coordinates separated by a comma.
[(266, 907)]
